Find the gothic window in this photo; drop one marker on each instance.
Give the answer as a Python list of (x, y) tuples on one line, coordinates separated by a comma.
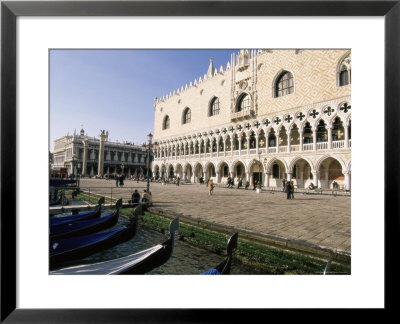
[(344, 76), (214, 107), (322, 133), (186, 116), (166, 122), (244, 103), (307, 134), (343, 72), (284, 84)]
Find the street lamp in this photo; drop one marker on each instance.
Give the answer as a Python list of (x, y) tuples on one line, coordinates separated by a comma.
[(149, 149), (78, 169), (74, 158)]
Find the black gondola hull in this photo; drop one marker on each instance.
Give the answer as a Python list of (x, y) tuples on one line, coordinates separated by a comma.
[(70, 249), (84, 227)]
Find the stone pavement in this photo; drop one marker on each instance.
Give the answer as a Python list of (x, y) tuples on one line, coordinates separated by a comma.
[(320, 221)]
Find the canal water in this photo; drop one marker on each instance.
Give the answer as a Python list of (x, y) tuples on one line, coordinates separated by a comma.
[(185, 260)]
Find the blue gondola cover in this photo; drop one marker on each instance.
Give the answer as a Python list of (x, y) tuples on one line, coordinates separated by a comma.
[(211, 272)]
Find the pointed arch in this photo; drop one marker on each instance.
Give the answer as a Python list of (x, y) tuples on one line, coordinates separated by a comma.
[(166, 122), (283, 84)]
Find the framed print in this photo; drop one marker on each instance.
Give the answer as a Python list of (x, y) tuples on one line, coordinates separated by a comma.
[(30, 30)]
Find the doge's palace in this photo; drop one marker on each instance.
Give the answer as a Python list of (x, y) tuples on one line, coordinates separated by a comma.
[(267, 115)]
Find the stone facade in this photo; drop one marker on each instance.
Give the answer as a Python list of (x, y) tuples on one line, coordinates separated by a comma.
[(98, 157), (269, 115)]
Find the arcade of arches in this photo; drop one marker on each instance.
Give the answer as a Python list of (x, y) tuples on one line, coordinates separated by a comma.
[(322, 173)]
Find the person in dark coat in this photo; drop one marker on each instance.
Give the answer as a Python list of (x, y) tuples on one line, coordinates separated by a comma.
[(229, 182), (239, 183), (116, 180), (135, 197), (284, 184), (121, 180), (287, 189)]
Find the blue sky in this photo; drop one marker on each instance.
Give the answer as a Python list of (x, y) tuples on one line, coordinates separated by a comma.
[(115, 89)]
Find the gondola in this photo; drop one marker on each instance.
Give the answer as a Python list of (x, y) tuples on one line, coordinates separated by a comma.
[(96, 212), (59, 182), (138, 263), (84, 227), (225, 266), (75, 248)]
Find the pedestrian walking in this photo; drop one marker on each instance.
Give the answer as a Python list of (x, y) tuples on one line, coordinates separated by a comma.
[(210, 187), (116, 180), (291, 189), (239, 183), (247, 185), (229, 182), (178, 180), (287, 189), (284, 184), (121, 180)]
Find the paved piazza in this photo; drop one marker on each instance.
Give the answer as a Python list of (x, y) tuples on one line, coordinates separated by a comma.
[(320, 220)]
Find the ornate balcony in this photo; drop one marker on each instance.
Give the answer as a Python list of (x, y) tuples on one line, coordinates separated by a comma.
[(249, 113)]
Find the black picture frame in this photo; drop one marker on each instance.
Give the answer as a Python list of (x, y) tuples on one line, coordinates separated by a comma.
[(10, 10)]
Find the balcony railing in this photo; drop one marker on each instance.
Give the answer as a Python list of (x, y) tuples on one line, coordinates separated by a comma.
[(337, 144), (242, 114), (271, 150), (308, 147), (322, 145)]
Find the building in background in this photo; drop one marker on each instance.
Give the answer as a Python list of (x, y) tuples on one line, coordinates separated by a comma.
[(90, 156), (268, 115)]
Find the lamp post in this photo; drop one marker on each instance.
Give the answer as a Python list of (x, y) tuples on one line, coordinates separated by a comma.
[(78, 169), (149, 149), (74, 158)]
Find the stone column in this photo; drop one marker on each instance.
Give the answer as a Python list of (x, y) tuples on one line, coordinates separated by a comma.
[(315, 138), (315, 178), (301, 139), (85, 157), (266, 181), (346, 136), (232, 141), (218, 177), (329, 137), (289, 176), (240, 146), (277, 143), (288, 140), (248, 176), (103, 137), (347, 180), (257, 144), (199, 144), (224, 147), (248, 145)]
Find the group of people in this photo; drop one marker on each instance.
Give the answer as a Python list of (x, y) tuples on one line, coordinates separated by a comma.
[(231, 182), (288, 188), (144, 197)]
